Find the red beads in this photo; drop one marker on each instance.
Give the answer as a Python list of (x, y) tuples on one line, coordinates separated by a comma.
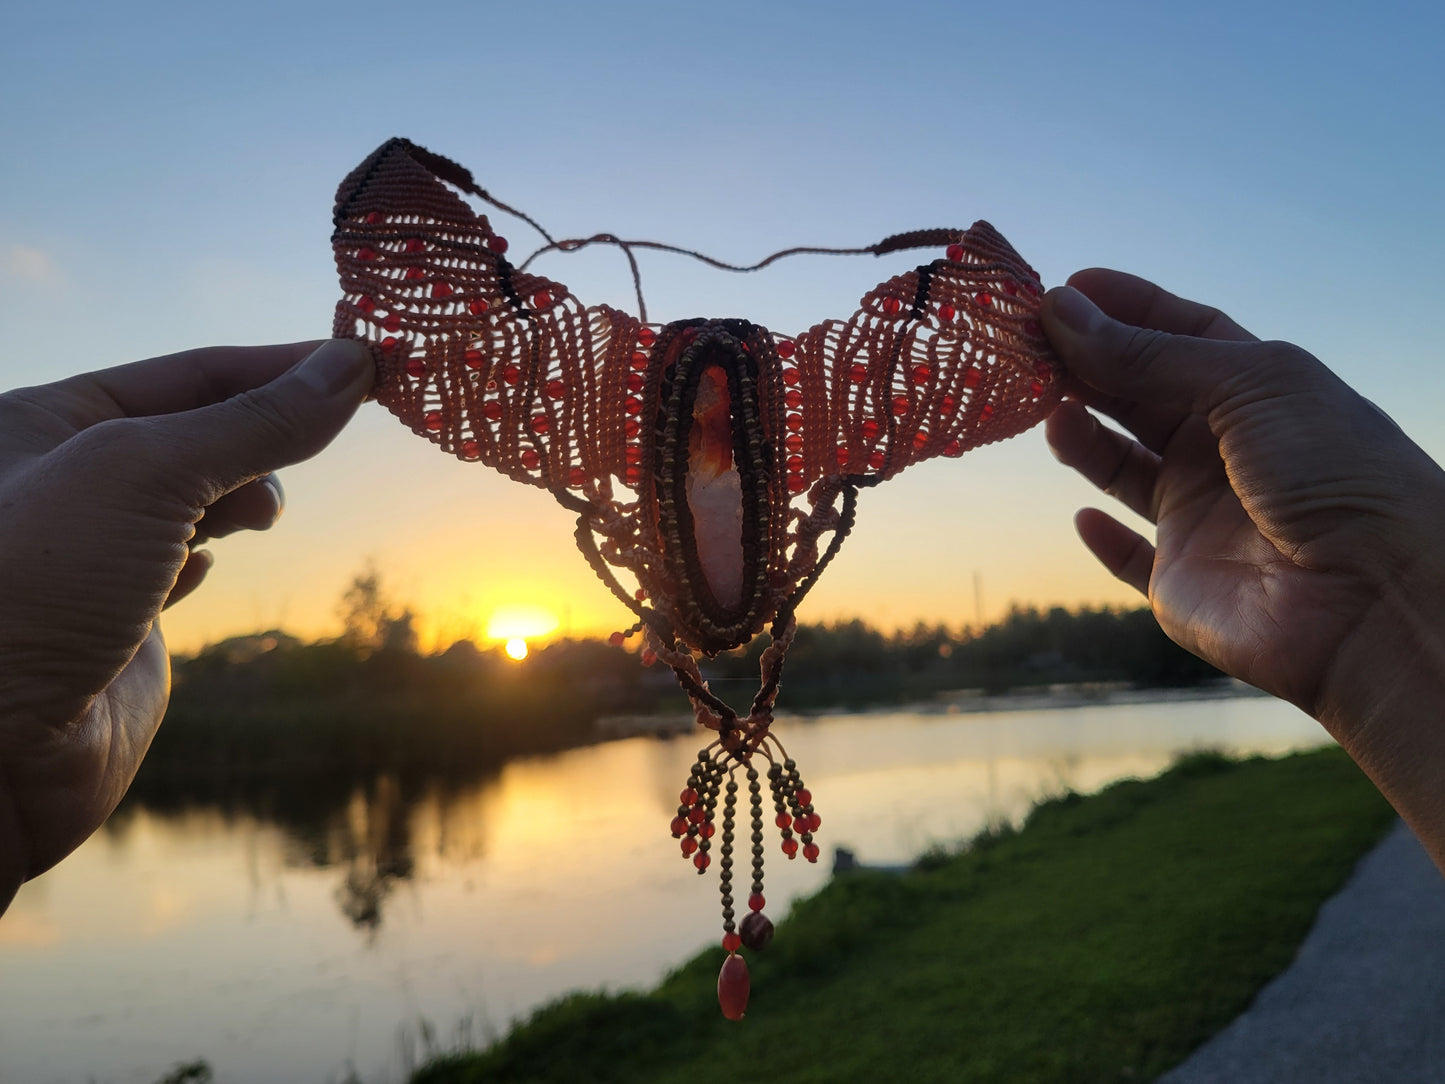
[(639, 360), (415, 367), (542, 299), (858, 373), (793, 442), (733, 987), (793, 398), (786, 349), (731, 941), (984, 298), (633, 405), (473, 359), (477, 306), (870, 429), (556, 389), (576, 477), (804, 796), (689, 845), (497, 244), (954, 252), (892, 306), (790, 376), (921, 374), (530, 459), (366, 254), (414, 274), (1036, 388), (365, 304), (794, 422), (471, 449), (392, 322), (416, 244), (790, 847), (796, 485), (756, 902), (953, 449), (971, 378), (986, 413), (373, 218), (701, 860), (900, 405), (491, 410), (876, 461), (810, 851), (617, 640), (648, 658), (679, 822), (441, 289), (646, 336), (510, 375), (947, 312)]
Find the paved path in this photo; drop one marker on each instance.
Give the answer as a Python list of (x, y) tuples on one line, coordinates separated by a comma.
[(1363, 1002)]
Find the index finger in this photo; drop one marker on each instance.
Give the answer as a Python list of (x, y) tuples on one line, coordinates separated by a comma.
[(170, 384)]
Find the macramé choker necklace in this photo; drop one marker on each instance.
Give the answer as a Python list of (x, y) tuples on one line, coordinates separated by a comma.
[(715, 461)]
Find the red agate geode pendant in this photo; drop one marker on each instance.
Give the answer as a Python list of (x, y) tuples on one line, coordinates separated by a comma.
[(716, 462)]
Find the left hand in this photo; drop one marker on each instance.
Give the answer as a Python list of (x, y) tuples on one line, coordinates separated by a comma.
[(107, 481)]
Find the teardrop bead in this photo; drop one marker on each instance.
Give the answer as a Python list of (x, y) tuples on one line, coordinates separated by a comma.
[(733, 987)]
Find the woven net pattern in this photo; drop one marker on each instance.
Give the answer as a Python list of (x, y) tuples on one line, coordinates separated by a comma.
[(502, 367)]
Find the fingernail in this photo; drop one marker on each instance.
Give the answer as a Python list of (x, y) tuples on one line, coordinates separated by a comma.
[(271, 482), (1075, 311), (335, 366)]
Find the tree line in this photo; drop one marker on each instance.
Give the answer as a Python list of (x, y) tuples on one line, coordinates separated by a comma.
[(270, 706)]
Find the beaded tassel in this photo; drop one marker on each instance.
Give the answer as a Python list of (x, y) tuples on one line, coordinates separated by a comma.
[(695, 826)]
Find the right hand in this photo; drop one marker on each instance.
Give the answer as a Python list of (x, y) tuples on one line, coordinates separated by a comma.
[(1299, 531)]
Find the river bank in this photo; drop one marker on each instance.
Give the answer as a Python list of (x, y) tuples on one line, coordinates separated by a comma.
[(1104, 940)]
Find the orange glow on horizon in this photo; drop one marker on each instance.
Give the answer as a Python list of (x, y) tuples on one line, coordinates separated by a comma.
[(518, 624)]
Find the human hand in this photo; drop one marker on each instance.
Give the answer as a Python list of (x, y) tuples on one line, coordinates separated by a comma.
[(1298, 529), (107, 481)]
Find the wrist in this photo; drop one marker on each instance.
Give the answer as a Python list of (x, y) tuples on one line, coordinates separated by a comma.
[(1383, 697)]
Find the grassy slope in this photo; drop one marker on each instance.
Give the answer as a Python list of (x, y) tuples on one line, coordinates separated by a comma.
[(1104, 941)]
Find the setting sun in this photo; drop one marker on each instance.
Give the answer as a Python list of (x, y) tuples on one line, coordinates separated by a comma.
[(517, 648)]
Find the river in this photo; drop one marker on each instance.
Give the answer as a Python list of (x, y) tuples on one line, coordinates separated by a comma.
[(345, 945)]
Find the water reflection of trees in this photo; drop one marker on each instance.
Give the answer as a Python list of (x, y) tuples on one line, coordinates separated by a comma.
[(375, 834)]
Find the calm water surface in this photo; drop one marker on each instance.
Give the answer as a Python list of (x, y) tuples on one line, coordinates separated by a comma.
[(291, 950)]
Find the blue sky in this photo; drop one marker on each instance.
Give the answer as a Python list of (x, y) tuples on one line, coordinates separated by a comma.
[(169, 169)]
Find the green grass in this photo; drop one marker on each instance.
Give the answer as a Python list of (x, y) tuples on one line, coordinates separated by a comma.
[(1102, 942)]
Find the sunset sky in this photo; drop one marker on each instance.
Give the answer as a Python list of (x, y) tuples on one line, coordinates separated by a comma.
[(168, 172)]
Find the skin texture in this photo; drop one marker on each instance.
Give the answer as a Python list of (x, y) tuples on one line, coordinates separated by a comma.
[(1297, 529), (107, 482)]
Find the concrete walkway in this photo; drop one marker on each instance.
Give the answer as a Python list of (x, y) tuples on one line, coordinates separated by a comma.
[(1363, 1002)]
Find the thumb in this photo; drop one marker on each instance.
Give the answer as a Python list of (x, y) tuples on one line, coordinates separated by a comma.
[(283, 422), (1147, 365)]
